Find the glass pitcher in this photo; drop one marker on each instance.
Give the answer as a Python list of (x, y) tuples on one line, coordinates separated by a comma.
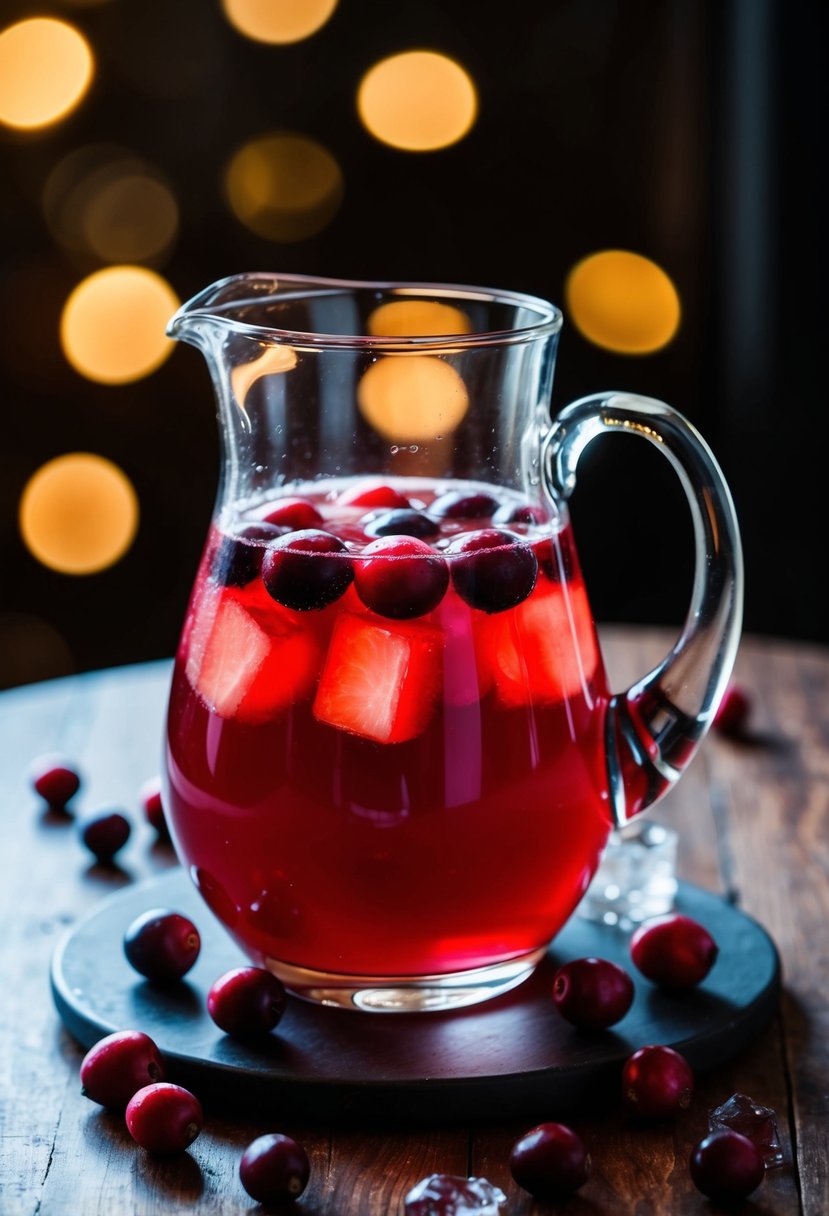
[(393, 759)]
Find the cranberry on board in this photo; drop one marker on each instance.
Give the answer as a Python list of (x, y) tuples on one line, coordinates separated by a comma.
[(307, 570), (733, 712), (673, 950), (592, 993), (550, 1161), (492, 569), (656, 1082), (274, 1168), (152, 807), (104, 832), (118, 1065), (164, 1118), (726, 1165), (162, 945), (246, 1002), (400, 577), (55, 780)]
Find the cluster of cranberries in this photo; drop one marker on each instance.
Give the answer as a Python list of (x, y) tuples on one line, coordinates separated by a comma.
[(409, 560)]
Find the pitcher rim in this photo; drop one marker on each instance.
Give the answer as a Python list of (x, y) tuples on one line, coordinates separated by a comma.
[(549, 317)]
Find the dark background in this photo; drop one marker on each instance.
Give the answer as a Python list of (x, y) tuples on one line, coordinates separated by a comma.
[(687, 131)]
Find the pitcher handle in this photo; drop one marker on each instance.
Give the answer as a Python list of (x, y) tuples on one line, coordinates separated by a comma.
[(653, 729)]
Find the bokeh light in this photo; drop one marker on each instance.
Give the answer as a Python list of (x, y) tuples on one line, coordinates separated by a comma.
[(418, 101), (46, 67), (112, 326), (78, 513), (412, 398), (284, 187), (623, 302), (273, 361), (415, 318), (278, 21)]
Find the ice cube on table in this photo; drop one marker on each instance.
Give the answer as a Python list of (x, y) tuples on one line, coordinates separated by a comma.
[(636, 878), (759, 1123), (448, 1195)]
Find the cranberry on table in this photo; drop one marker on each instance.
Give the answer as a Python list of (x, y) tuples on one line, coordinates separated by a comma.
[(457, 504), (403, 522), (237, 560), (55, 780), (400, 577), (733, 712), (246, 1002), (592, 993), (162, 945), (293, 513), (274, 1168), (550, 1161), (656, 1082), (149, 798), (726, 1166), (492, 569), (104, 833), (307, 570), (673, 950), (164, 1118), (118, 1065)]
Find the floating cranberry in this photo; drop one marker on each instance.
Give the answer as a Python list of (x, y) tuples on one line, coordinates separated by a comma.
[(274, 1169), (733, 712), (673, 950), (238, 558), (246, 1002), (117, 1066), (657, 1081), (164, 1118), (307, 569), (372, 494), (456, 504), (519, 513), (492, 569), (400, 577), (403, 522), (152, 807), (55, 780), (294, 513), (162, 945), (104, 833), (726, 1166), (592, 993), (550, 1161)]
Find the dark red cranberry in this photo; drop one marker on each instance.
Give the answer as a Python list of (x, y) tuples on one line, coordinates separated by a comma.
[(274, 1169), (104, 833), (592, 993), (238, 558), (372, 495), (400, 577), (492, 570), (734, 711), (673, 950), (550, 1161), (118, 1065), (404, 522), (246, 1002), (164, 1118), (162, 945), (149, 798), (307, 569), (726, 1166), (519, 513), (55, 780), (657, 1081), (456, 504), (294, 513)]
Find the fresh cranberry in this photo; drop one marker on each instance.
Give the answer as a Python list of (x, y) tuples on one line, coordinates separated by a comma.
[(592, 993), (238, 558), (733, 712), (657, 1081), (519, 513), (367, 494), (491, 569), (246, 1002), (104, 833), (403, 522), (274, 1168), (162, 945), (118, 1065), (726, 1166), (55, 780), (164, 1118), (307, 569), (149, 798), (294, 513), (400, 577), (550, 1161), (455, 504), (673, 950)]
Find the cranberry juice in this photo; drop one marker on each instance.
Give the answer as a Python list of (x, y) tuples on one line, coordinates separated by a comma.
[(385, 750)]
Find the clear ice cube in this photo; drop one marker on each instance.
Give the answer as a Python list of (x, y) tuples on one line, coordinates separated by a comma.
[(636, 878), (759, 1123), (448, 1195)]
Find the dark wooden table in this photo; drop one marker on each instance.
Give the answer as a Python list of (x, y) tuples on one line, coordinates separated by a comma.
[(753, 818)]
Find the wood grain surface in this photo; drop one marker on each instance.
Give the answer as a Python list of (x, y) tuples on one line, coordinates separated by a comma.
[(753, 818)]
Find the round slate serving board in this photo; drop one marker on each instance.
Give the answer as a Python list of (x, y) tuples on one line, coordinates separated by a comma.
[(512, 1056)]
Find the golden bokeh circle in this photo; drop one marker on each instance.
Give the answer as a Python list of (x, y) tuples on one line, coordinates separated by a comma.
[(623, 302), (284, 187), (417, 318), (412, 398), (78, 513), (278, 21), (46, 67), (418, 101)]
